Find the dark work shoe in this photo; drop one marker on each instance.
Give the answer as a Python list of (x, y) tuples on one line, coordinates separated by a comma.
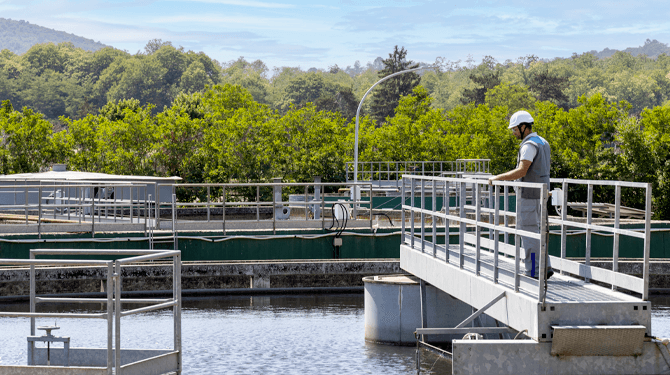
[(550, 273)]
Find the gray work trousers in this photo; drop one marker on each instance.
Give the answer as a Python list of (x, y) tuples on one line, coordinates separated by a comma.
[(528, 219)]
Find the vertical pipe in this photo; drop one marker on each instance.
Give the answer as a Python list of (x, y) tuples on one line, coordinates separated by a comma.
[(647, 242), (589, 212), (564, 218), (423, 215), (478, 229), (117, 319), (424, 305), (462, 227), (110, 317), (306, 200), (434, 217), (617, 216)]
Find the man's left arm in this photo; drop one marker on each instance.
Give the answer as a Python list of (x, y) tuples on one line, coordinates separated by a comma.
[(514, 174)]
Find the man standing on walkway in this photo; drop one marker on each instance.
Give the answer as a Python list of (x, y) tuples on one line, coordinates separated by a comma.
[(533, 163)]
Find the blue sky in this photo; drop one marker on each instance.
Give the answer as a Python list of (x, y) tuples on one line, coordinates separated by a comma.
[(321, 33)]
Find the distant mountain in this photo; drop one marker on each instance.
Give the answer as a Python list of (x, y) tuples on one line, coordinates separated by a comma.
[(19, 36), (651, 48)]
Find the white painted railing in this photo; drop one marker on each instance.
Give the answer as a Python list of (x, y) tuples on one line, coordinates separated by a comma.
[(481, 218)]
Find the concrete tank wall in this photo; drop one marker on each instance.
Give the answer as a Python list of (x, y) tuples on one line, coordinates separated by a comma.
[(393, 310)]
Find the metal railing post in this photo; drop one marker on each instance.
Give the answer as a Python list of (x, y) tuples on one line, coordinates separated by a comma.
[(39, 212), (647, 242), (589, 213), (402, 212), (478, 229), (543, 243), (176, 310), (564, 218), (462, 226), (496, 234), (31, 344), (434, 218), (447, 208), (423, 215), (411, 212), (117, 317), (617, 216), (110, 318)]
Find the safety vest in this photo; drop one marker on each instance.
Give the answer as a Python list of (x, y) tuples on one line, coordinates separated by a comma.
[(539, 168)]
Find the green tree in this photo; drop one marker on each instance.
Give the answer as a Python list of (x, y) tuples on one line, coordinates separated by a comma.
[(388, 93), (486, 76)]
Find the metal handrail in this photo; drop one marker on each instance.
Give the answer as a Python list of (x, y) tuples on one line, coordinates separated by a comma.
[(391, 171), (481, 193), (614, 278), (310, 203), (114, 301), (74, 204)]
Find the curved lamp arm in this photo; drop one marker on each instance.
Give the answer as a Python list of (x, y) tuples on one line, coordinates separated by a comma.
[(358, 111)]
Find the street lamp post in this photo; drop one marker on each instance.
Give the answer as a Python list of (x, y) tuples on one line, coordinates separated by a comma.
[(358, 111)]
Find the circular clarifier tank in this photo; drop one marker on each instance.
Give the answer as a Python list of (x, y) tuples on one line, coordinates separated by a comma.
[(393, 310)]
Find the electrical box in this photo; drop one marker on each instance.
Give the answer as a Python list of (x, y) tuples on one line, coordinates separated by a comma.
[(337, 242), (557, 197)]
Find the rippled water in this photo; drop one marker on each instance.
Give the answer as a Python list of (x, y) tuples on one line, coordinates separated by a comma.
[(290, 334)]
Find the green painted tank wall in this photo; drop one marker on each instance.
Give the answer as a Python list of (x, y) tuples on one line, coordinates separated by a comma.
[(381, 245)]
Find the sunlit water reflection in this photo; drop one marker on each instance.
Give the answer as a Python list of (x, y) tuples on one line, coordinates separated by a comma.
[(289, 334)]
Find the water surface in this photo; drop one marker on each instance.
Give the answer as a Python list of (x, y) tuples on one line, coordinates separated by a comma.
[(288, 334)]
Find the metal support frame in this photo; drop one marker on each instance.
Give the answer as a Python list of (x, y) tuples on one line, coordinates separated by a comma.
[(114, 301)]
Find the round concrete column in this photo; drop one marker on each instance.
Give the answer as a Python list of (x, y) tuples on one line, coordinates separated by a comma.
[(393, 310)]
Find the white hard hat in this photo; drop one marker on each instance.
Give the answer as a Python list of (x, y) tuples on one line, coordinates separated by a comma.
[(519, 118)]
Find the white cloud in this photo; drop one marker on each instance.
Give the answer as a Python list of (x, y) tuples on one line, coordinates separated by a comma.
[(244, 3)]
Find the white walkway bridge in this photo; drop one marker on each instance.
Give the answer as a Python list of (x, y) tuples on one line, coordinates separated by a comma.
[(582, 315)]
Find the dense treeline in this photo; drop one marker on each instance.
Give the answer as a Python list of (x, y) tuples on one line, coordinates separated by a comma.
[(224, 135), (170, 112), (61, 80)]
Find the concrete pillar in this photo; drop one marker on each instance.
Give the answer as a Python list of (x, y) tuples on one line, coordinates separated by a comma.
[(393, 310)]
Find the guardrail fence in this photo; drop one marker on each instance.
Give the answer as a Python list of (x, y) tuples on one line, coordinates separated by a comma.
[(388, 173), (96, 361), (482, 214)]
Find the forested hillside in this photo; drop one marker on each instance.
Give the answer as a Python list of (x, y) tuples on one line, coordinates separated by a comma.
[(168, 111), (20, 36)]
